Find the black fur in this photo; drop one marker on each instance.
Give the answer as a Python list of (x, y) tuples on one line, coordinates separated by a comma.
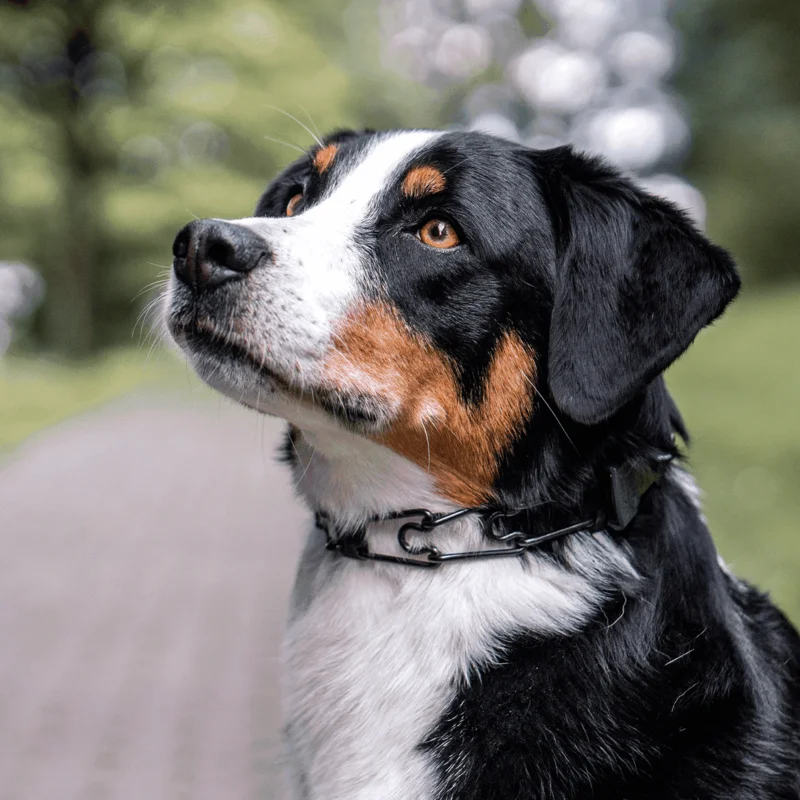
[(687, 687), (687, 683)]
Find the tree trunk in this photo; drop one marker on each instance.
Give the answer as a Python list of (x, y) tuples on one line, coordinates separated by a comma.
[(69, 305)]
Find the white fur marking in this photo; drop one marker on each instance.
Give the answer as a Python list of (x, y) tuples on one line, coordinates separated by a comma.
[(375, 653), (319, 268)]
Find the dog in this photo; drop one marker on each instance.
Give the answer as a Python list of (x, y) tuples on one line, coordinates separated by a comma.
[(509, 591)]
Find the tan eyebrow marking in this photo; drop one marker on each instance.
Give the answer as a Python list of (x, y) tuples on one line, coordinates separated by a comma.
[(422, 181), (459, 443), (324, 158)]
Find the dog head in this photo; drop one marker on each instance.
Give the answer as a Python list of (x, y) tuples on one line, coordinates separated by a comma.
[(457, 299)]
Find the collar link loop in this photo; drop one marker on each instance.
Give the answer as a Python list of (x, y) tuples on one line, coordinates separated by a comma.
[(627, 485)]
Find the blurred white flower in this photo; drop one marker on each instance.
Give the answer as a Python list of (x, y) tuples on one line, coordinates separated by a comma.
[(596, 79), (480, 7), (633, 138), (555, 79), (496, 125), (463, 51), (21, 291), (639, 56), (585, 23)]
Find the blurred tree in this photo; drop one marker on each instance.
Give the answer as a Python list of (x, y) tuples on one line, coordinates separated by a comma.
[(50, 61), (120, 119), (741, 62)]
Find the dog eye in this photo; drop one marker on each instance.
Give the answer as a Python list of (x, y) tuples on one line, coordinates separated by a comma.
[(438, 233), (291, 206)]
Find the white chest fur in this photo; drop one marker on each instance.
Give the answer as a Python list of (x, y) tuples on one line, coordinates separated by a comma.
[(374, 653)]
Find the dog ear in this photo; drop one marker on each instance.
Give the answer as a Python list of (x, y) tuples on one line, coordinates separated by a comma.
[(635, 283)]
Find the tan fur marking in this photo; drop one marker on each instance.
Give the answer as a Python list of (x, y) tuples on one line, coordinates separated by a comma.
[(458, 443), (324, 158), (422, 181)]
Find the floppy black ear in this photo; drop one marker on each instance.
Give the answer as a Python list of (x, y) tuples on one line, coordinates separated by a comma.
[(635, 283)]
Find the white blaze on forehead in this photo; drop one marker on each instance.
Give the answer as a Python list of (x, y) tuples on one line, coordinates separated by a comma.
[(319, 265), (352, 200), (355, 194)]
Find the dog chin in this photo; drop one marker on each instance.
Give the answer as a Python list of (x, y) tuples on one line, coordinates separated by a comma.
[(232, 372), (236, 378)]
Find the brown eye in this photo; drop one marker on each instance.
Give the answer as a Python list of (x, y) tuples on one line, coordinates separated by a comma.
[(291, 206), (438, 233)]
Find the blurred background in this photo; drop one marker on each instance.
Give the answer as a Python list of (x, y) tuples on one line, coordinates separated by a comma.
[(143, 562)]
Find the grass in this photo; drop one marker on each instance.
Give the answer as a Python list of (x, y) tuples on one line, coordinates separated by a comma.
[(738, 388), (739, 391), (37, 393)]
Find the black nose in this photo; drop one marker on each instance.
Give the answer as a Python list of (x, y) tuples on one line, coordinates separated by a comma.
[(209, 252)]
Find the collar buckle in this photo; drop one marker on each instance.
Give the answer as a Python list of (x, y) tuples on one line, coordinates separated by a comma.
[(628, 484)]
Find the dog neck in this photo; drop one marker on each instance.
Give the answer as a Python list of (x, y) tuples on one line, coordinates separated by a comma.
[(355, 480), (364, 495)]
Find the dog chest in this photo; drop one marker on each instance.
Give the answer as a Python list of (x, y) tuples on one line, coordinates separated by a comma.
[(374, 655), (368, 670)]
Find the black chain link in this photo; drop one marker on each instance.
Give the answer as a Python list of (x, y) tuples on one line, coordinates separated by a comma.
[(428, 556)]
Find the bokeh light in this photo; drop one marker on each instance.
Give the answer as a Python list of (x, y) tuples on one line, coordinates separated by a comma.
[(596, 79)]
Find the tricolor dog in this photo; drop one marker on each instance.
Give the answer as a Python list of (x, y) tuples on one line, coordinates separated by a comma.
[(510, 591)]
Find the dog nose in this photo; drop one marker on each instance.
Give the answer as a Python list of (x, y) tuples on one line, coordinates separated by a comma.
[(208, 252)]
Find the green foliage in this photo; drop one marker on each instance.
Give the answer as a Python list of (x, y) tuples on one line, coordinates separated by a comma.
[(94, 183), (36, 393), (181, 120), (740, 80)]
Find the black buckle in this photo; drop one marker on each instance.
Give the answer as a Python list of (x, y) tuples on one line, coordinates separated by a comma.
[(627, 487)]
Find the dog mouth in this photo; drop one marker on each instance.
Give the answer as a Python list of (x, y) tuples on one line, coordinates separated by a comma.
[(361, 413), (202, 338)]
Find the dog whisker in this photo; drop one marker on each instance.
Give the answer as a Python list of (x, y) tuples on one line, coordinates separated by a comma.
[(457, 164), (285, 144), (310, 119), (678, 658), (428, 441), (541, 396), (299, 122), (160, 283)]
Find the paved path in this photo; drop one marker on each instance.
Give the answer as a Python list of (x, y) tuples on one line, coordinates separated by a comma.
[(146, 554)]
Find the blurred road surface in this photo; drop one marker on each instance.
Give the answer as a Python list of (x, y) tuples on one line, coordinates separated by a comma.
[(146, 555)]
